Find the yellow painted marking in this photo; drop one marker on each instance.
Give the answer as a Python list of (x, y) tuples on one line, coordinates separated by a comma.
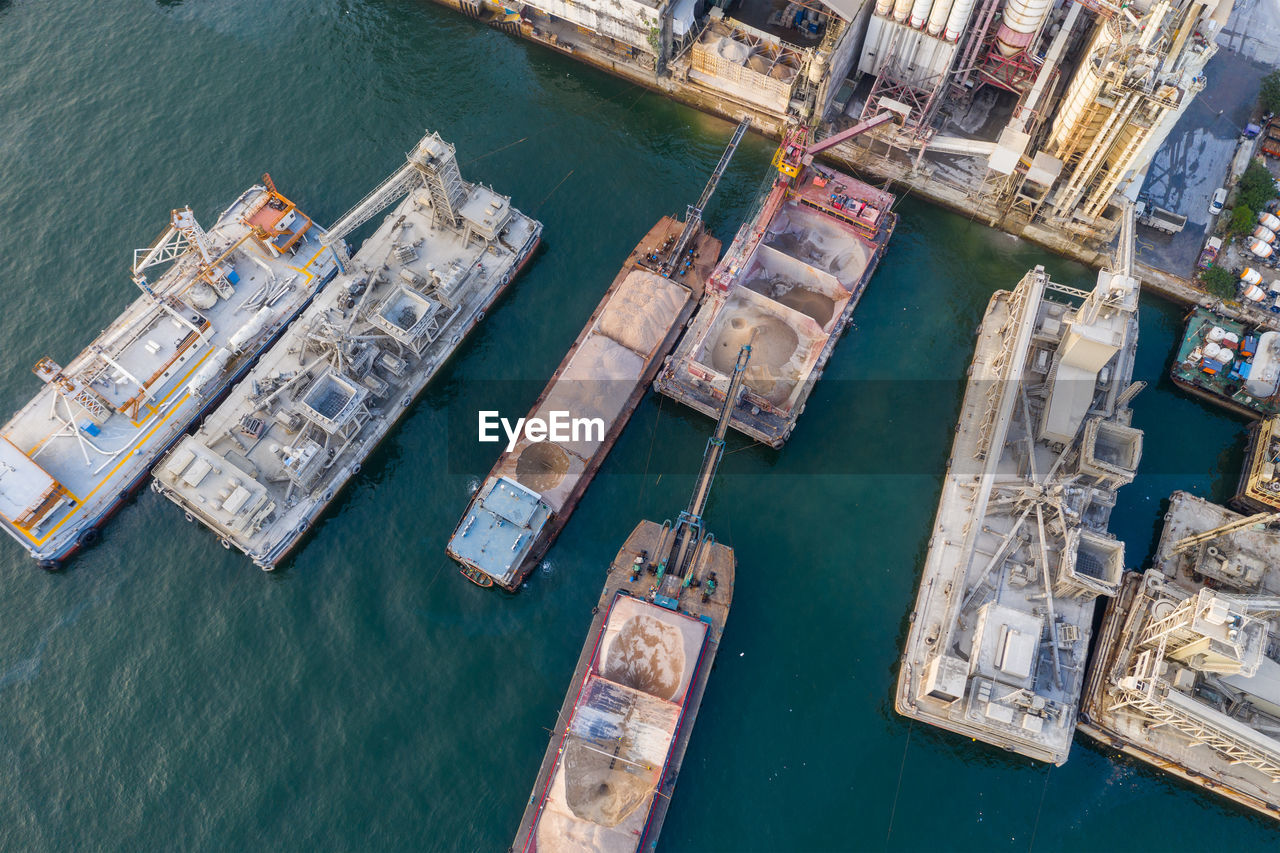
[(80, 502)]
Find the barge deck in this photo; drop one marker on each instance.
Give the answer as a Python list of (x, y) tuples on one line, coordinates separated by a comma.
[(533, 489), (788, 285), (1020, 549), (619, 742), (1259, 486), (1186, 675), (211, 301), (1230, 364), (266, 463)]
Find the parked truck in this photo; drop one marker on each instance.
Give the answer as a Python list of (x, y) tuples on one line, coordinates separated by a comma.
[(1209, 254), (1271, 138), (1159, 218)]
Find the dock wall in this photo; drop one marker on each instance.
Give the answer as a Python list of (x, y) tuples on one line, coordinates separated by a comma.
[(866, 156)]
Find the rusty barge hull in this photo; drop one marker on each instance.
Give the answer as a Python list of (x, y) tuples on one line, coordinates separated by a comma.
[(538, 481)]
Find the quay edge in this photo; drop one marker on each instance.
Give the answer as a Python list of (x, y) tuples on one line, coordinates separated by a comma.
[(898, 175)]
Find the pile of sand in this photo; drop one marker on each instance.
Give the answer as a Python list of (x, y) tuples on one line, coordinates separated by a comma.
[(647, 655), (821, 243), (596, 384), (776, 354), (734, 51), (541, 466), (596, 791), (641, 311)]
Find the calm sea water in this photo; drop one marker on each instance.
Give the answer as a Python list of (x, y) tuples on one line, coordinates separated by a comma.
[(163, 693)]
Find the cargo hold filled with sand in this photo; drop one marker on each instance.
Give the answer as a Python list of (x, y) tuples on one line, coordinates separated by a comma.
[(597, 382)]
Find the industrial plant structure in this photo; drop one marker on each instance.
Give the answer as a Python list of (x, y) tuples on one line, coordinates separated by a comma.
[(1030, 113)]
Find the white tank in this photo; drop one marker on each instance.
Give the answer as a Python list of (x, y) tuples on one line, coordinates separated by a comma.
[(957, 20), (1211, 351), (212, 368), (1264, 234), (920, 13), (1231, 340), (1224, 357), (884, 7), (1019, 22), (938, 17), (901, 9), (250, 329), (202, 296), (1254, 293), (1251, 276), (1269, 221), (1265, 374), (1259, 248), (1216, 334)]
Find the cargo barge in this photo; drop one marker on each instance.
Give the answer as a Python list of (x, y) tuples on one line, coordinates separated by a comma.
[(1230, 364), (1186, 674), (265, 463), (619, 742), (211, 301), (789, 284), (533, 488), (1020, 549)]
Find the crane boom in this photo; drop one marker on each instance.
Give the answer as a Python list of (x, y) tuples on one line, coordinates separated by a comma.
[(401, 181), (431, 163), (1188, 542), (836, 138), (694, 216), (795, 154), (688, 529)]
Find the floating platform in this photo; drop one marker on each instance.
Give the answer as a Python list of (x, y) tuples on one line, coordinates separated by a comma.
[(211, 301), (1020, 548), (788, 286), (266, 463), (1186, 674), (532, 490), (1230, 364)]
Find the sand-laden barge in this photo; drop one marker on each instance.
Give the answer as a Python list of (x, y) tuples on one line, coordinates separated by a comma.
[(788, 285), (211, 301), (610, 769), (1020, 549), (1186, 675), (533, 488), (265, 464)]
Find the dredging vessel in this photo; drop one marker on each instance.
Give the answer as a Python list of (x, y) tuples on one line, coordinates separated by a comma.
[(1228, 363), (534, 487), (610, 769), (211, 301), (265, 463), (1259, 486), (790, 282), (1186, 674), (1020, 548)]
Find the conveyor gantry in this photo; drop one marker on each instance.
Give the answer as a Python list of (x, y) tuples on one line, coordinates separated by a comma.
[(689, 532), (693, 218)]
